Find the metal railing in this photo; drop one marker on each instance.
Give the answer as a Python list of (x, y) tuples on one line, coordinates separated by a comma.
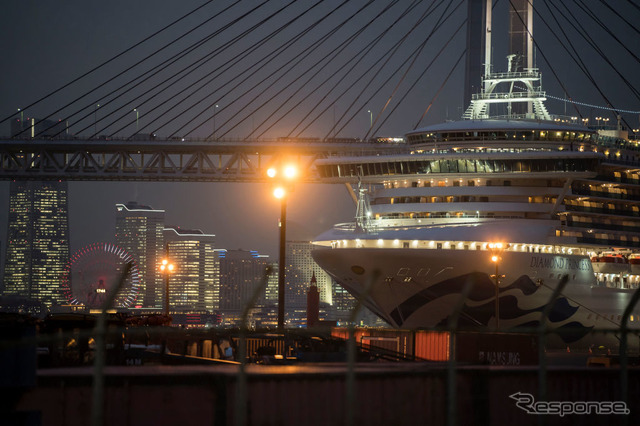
[(106, 336)]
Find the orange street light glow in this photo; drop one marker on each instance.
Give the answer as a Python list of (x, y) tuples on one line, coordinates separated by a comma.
[(279, 192), (165, 265), (290, 172), (271, 172), (494, 258)]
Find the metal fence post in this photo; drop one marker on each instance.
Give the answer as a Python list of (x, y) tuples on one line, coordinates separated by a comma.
[(624, 379), (542, 334), (97, 402), (452, 325), (241, 384), (350, 400)]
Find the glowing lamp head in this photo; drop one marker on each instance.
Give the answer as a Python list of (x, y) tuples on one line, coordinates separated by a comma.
[(272, 172), (279, 192), (290, 172), (165, 266), (495, 259)]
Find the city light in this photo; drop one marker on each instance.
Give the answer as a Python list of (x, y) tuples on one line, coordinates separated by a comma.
[(279, 192), (290, 172), (166, 266), (496, 257), (284, 185)]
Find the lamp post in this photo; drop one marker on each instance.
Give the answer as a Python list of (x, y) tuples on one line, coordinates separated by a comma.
[(167, 269), (371, 117), (215, 108), (95, 121), (496, 257), (284, 180), (137, 117), (21, 119)]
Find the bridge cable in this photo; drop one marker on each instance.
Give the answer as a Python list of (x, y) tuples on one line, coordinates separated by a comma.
[(267, 59), (328, 60), (110, 60), (388, 54), (289, 68), (585, 70), (356, 59), (441, 20), (391, 52), (171, 60), (130, 68), (415, 57), (204, 60)]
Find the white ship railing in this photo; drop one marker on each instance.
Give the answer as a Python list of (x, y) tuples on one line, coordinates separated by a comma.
[(507, 96)]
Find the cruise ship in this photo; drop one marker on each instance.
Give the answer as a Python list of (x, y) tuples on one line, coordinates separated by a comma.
[(509, 204)]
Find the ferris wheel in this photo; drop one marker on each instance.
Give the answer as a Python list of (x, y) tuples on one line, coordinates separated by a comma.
[(92, 274)]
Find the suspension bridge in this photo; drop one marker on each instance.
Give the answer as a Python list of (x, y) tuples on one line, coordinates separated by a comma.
[(297, 80)]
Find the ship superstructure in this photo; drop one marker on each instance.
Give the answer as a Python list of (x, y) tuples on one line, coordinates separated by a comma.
[(546, 195)]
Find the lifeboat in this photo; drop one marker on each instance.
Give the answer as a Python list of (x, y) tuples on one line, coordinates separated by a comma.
[(612, 263)]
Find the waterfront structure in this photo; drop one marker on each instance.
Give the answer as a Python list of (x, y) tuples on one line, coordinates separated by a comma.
[(37, 240), (139, 230), (194, 284), (527, 195)]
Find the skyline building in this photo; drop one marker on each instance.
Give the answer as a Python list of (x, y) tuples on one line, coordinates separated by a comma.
[(195, 283), (241, 272), (37, 240), (299, 270), (139, 230)]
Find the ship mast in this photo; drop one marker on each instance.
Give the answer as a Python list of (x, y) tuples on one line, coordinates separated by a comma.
[(524, 86)]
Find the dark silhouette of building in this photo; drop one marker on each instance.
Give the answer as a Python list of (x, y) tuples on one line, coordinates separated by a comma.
[(313, 303)]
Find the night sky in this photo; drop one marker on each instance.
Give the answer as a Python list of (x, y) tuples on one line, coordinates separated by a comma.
[(48, 43)]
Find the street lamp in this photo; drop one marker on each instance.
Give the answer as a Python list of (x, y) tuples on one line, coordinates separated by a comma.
[(215, 108), (167, 269), (371, 116), (95, 115), (137, 117), (21, 119), (496, 257), (598, 120), (284, 179)]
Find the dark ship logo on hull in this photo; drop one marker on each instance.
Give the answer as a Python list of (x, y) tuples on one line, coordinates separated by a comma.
[(480, 305)]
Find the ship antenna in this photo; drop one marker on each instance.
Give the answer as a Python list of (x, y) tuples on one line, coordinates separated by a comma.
[(363, 209)]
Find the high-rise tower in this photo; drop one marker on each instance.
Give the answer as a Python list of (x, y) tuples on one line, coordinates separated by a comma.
[(195, 283), (139, 230), (241, 272), (37, 240), (300, 268)]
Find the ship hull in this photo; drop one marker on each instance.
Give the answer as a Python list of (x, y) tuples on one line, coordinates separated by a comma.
[(412, 288)]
